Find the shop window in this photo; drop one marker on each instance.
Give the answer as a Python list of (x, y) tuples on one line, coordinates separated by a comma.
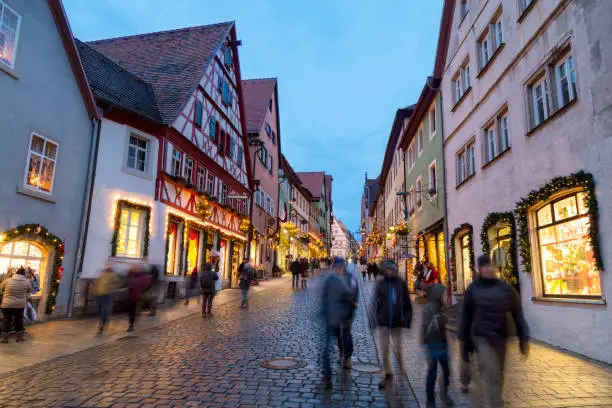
[(10, 22), (466, 271), (566, 257), (173, 245), (500, 237), (41, 163), (17, 254), (130, 242), (193, 250)]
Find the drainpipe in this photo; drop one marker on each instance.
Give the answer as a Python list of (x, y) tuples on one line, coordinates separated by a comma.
[(447, 237), (86, 213)]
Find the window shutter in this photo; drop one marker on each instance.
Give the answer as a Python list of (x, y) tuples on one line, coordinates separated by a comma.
[(212, 125)]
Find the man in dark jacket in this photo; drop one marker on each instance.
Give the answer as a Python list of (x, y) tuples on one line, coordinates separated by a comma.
[(246, 277), (207, 282), (393, 312), (487, 302), (433, 339), (339, 301), (295, 271)]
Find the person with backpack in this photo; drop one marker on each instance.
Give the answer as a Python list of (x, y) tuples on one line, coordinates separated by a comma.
[(434, 342), (295, 272), (393, 311), (208, 279), (246, 277), (104, 288)]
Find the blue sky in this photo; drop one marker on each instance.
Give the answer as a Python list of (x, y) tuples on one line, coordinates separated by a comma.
[(343, 69)]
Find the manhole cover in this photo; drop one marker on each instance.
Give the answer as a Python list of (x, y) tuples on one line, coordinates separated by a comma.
[(366, 368), (283, 363)]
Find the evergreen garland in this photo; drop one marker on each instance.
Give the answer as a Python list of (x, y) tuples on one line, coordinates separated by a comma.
[(453, 265), (504, 218), (121, 204), (38, 233), (580, 180)]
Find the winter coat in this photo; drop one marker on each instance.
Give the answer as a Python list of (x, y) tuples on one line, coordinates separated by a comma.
[(15, 292), (246, 278), (338, 302), (431, 276), (107, 283), (137, 284), (392, 306), (207, 281), (295, 268), (433, 324), (486, 305)]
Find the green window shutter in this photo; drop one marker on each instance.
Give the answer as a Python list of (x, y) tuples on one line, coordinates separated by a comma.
[(198, 114), (212, 128)]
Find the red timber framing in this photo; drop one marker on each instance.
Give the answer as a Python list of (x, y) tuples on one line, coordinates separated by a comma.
[(185, 200)]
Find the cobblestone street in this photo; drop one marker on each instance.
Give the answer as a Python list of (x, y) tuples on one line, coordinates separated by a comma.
[(216, 363)]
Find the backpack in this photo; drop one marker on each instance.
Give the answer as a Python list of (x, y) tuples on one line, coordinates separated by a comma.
[(437, 324), (207, 280)]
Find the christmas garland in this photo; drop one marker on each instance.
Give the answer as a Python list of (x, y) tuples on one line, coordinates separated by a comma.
[(453, 265), (504, 218), (121, 204), (38, 233), (173, 219), (580, 180)]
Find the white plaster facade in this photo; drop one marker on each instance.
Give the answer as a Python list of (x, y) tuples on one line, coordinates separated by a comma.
[(340, 240), (576, 137)]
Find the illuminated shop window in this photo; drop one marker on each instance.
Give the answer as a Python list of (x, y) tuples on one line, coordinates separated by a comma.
[(19, 254), (466, 271), (566, 257), (131, 233)]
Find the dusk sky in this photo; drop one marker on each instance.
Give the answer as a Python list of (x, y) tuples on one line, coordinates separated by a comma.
[(343, 68)]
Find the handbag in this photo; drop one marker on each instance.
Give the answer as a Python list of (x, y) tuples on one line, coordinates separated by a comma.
[(29, 314)]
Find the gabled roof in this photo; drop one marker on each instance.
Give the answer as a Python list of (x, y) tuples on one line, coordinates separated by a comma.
[(313, 181), (256, 98), (171, 61), (61, 22), (394, 135), (115, 85)]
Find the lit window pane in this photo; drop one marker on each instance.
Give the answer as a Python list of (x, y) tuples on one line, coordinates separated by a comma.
[(35, 252), (6, 250), (34, 171), (46, 177), (50, 150), (544, 215), (132, 248), (565, 208), (582, 207), (21, 249), (37, 144)]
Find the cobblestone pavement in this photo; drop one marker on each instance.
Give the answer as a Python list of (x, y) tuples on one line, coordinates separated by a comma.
[(209, 363), (215, 363), (547, 378)]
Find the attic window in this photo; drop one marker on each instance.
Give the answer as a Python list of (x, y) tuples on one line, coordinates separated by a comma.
[(198, 114)]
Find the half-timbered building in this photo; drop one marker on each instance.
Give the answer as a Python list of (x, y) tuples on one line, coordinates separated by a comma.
[(172, 183)]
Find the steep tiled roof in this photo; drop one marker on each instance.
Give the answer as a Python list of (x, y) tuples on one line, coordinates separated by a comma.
[(171, 61), (113, 84), (313, 181), (257, 94)]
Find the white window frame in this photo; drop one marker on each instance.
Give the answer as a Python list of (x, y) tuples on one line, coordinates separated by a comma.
[(137, 150), (485, 49), (140, 232), (420, 141), (188, 169), (466, 161), (570, 76), (433, 181), (176, 162), (42, 156), (461, 81), (503, 131), (4, 6), (432, 121), (150, 162), (490, 140), (419, 192), (210, 183), (201, 179), (541, 83)]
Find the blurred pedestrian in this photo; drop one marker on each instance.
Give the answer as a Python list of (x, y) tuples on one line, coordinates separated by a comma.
[(363, 269), (208, 279), (393, 311), (433, 340), (295, 272), (486, 305), (431, 274), (191, 283), (137, 282), (246, 277), (14, 293), (104, 288), (339, 302), (154, 292), (304, 277)]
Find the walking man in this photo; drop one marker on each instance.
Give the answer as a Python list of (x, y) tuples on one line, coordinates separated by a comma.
[(487, 302), (393, 312), (246, 277), (296, 268), (104, 288), (208, 280), (339, 302)]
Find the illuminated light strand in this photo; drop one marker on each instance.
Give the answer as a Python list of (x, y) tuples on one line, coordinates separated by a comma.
[(204, 223)]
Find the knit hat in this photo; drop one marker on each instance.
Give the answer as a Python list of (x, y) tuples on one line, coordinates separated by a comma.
[(483, 260), (388, 264)]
